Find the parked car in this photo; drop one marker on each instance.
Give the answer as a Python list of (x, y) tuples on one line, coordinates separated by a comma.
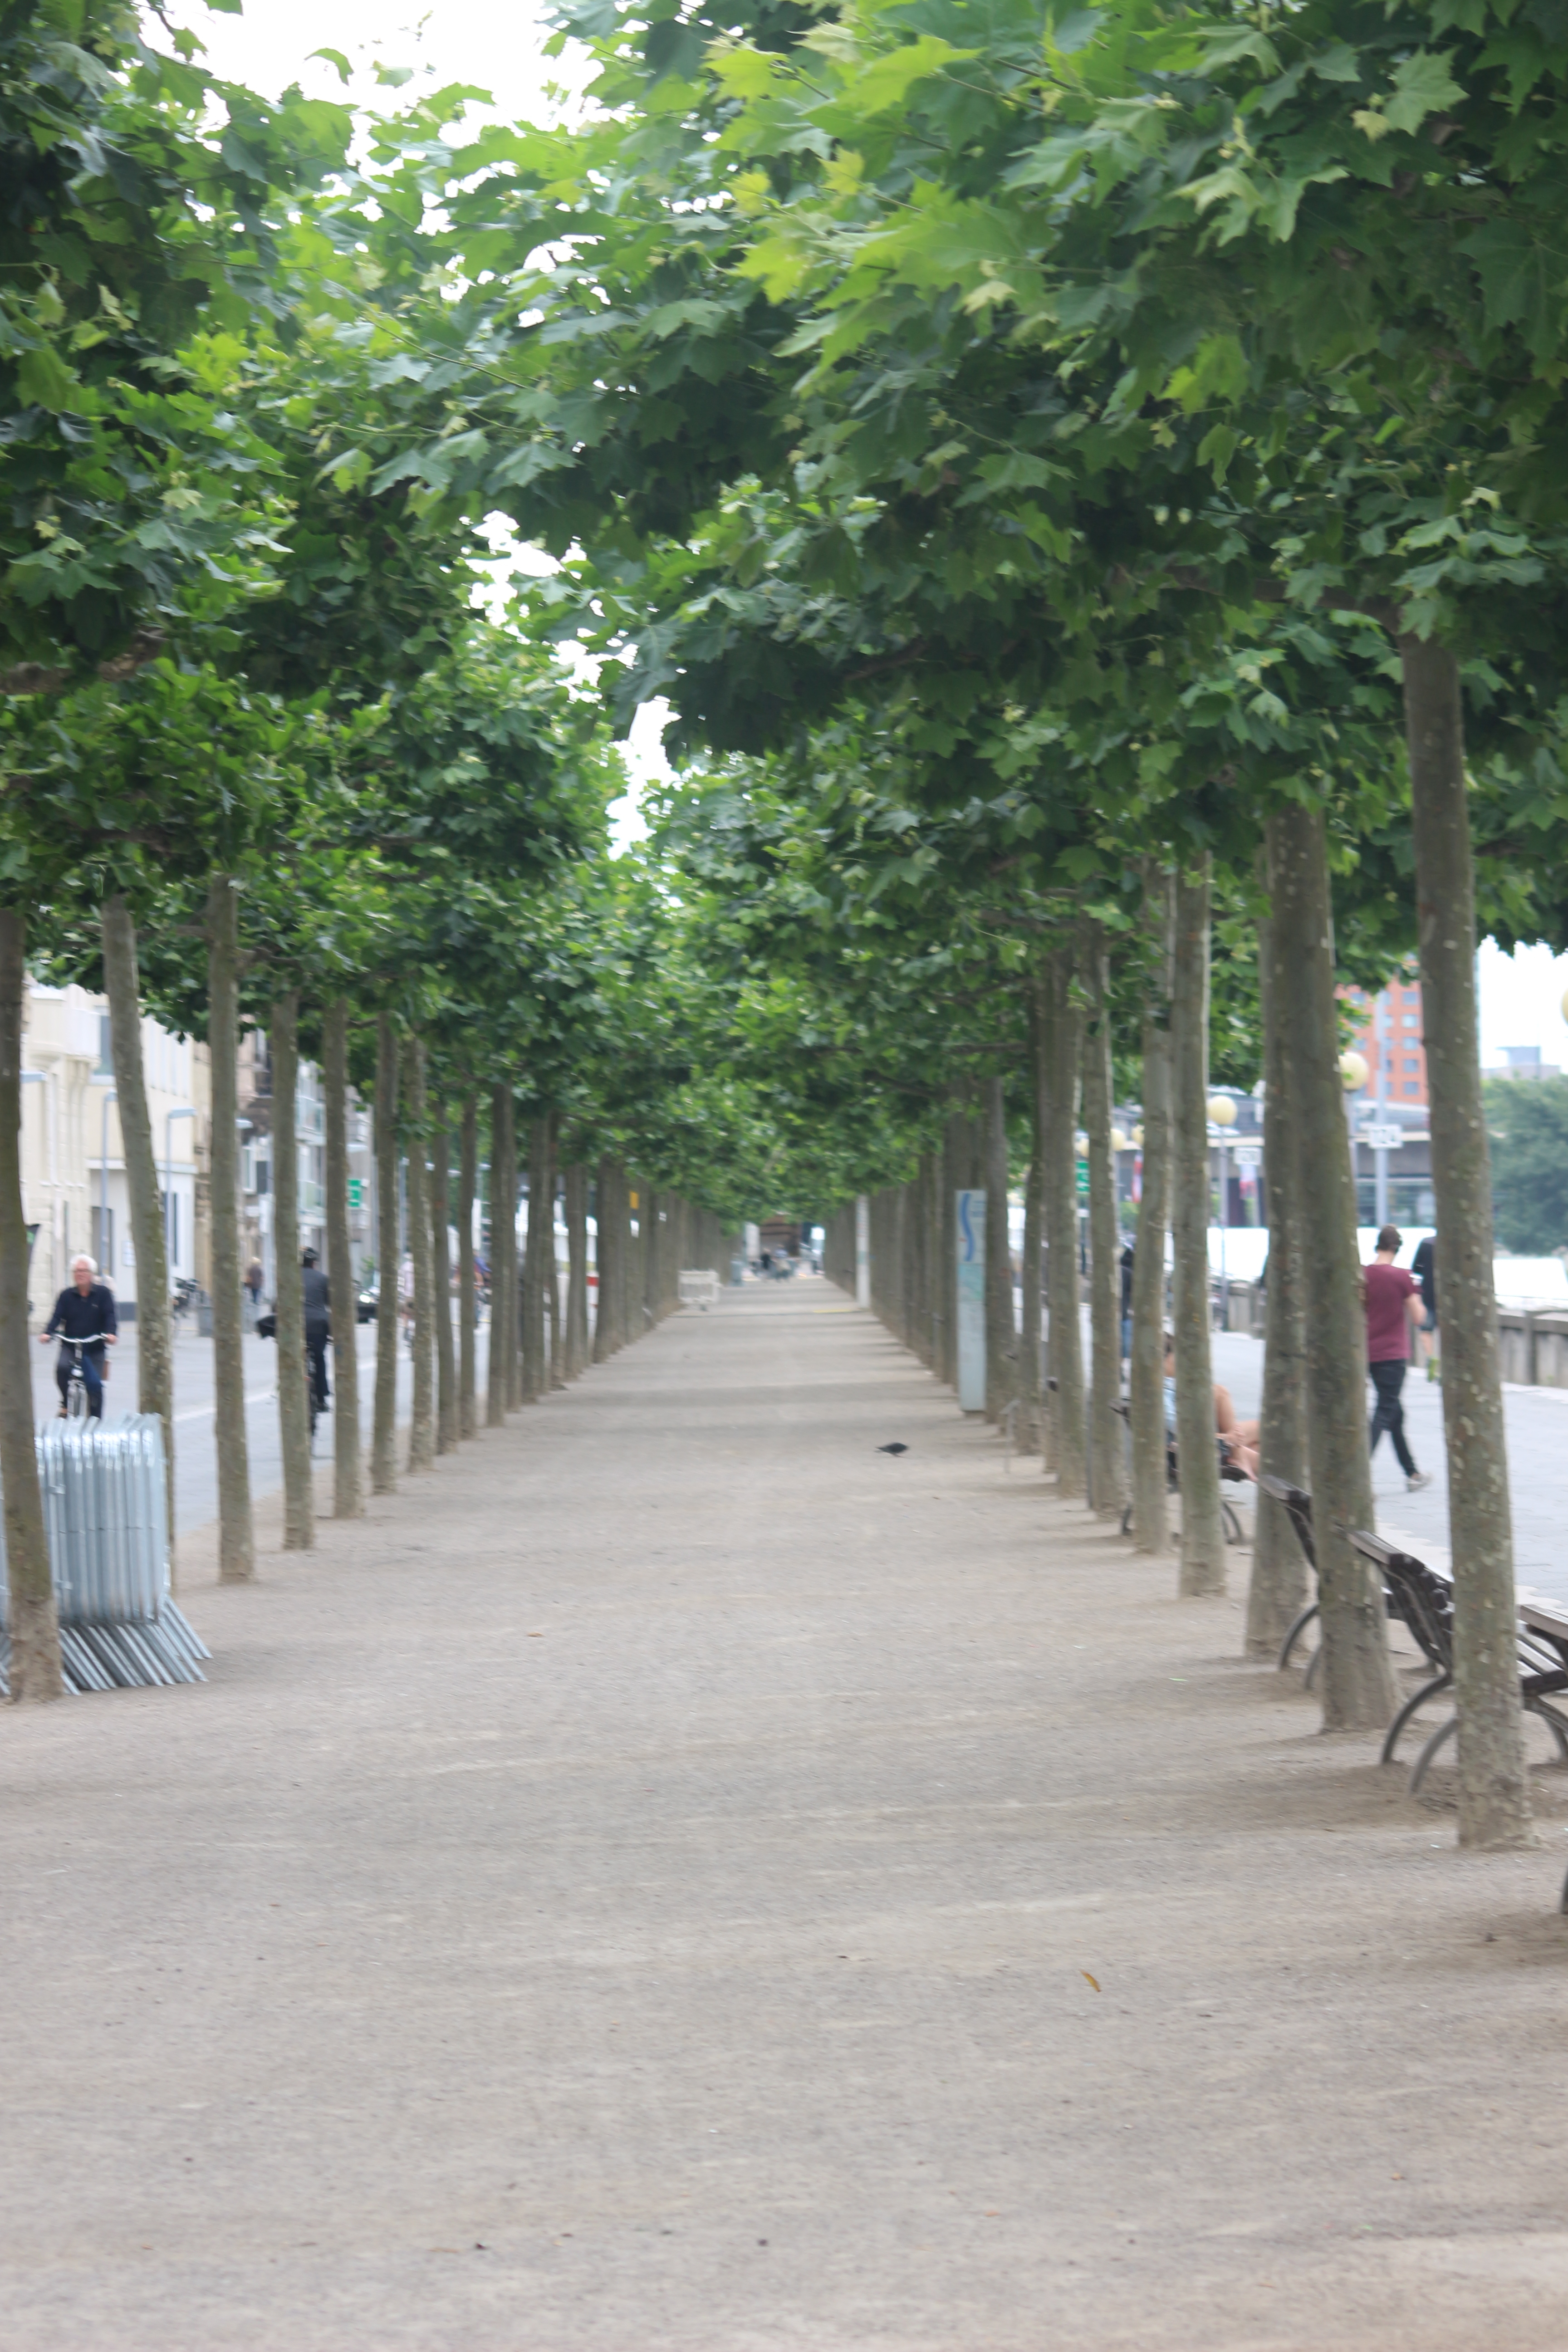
[(367, 1303)]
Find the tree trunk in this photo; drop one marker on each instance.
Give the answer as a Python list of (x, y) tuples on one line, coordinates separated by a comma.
[(1108, 1449), (155, 1350), (384, 1429), (293, 1388), (1001, 1339), (1357, 1679), (236, 1532), (1277, 1589), (1030, 1403), (35, 1669), (503, 1199), (535, 1364), (1494, 1795), (1202, 1529), (577, 1270), (348, 1485), (1060, 1027), (1151, 1502), (441, 1289), (517, 1288), (467, 1187), (605, 1255), (422, 1419)]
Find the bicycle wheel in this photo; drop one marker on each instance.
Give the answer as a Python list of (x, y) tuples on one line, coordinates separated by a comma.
[(75, 1400)]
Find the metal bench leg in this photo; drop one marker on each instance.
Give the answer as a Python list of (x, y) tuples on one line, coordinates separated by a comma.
[(1559, 1730), (1417, 1698), (1234, 1533), (1294, 1635), (1447, 1732)]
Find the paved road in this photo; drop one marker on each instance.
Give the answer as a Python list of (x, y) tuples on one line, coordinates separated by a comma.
[(195, 1458), (675, 1878)]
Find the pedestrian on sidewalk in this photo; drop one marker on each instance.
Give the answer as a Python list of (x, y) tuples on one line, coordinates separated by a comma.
[(1423, 1266), (1392, 1312), (318, 1300)]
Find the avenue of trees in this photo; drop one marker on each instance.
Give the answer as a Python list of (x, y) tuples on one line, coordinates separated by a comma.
[(1088, 483)]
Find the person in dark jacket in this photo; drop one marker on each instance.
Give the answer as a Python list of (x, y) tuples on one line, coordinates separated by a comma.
[(85, 1311), (318, 1323), (1423, 1267)]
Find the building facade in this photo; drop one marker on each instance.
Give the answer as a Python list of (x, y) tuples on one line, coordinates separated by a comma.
[(73, 1159), (73, 1163)]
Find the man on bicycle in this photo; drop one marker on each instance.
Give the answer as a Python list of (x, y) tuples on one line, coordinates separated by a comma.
[(85, 1311), (318, 1323)]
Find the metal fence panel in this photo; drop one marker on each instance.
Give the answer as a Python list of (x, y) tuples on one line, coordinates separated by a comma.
[(105, 1513)]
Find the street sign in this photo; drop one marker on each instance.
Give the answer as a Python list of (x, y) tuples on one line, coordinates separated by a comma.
[(1248, 1155), (1385, 1137), (356, 1191), (1081, 1178)]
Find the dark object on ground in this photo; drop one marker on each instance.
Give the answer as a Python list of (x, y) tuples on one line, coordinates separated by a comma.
[(896, 1447), (267, 1326)]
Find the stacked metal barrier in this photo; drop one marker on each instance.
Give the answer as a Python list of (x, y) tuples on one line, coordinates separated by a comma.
[(106, 1515)]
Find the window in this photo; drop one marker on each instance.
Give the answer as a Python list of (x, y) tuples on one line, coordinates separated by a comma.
[(105, 1053), (1412, 1086), (1412, 1064), (101, 1244)]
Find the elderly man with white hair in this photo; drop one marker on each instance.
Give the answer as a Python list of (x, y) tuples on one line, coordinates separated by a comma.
[(84, 1311)]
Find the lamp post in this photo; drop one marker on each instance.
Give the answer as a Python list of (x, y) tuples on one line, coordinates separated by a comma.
[(110, 1096), (1380, 1151), (169, 1226), (1352, 1077), (1222, 1114)]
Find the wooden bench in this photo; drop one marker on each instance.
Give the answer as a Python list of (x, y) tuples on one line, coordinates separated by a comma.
[(1426, 1601), (1298, 1504)]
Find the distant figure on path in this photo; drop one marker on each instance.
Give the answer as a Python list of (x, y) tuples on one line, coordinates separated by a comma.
[(1423, 1267), (1392, 1313)]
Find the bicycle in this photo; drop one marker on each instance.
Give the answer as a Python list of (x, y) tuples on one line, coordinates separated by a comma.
[(186, 1292), (77, 1403)]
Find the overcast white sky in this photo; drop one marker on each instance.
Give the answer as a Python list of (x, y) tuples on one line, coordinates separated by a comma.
[(498, 46)]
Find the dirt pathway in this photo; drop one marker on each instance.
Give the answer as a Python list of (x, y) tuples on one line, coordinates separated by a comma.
[(642, 1889)]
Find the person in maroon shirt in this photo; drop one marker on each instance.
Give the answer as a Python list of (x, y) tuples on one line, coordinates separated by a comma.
[(1393, 1311)]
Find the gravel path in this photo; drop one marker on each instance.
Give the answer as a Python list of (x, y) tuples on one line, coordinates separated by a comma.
[(677, 1876)]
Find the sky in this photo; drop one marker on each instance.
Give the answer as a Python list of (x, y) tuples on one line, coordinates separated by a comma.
[(498, 48)]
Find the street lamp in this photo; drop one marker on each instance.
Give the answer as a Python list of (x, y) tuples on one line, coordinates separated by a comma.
[(110, 1096), (1222, 1114), (168, 1119)]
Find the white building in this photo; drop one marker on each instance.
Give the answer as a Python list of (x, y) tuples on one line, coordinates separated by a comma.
[(73, 1161)]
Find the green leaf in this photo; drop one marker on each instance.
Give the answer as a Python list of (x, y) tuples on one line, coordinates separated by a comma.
[(44, 379), (1422, 86)]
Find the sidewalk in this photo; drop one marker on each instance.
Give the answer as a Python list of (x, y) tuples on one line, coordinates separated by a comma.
[(675, 1877)]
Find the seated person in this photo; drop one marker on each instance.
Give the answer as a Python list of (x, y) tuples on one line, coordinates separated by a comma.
[(1239, 1438)]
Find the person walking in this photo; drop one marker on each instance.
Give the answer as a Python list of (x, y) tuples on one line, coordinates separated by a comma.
[(318, 1301), (1423, 1266), (1392, 1312)]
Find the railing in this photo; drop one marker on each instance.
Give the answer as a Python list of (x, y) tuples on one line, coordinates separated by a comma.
[(106, 1518)]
